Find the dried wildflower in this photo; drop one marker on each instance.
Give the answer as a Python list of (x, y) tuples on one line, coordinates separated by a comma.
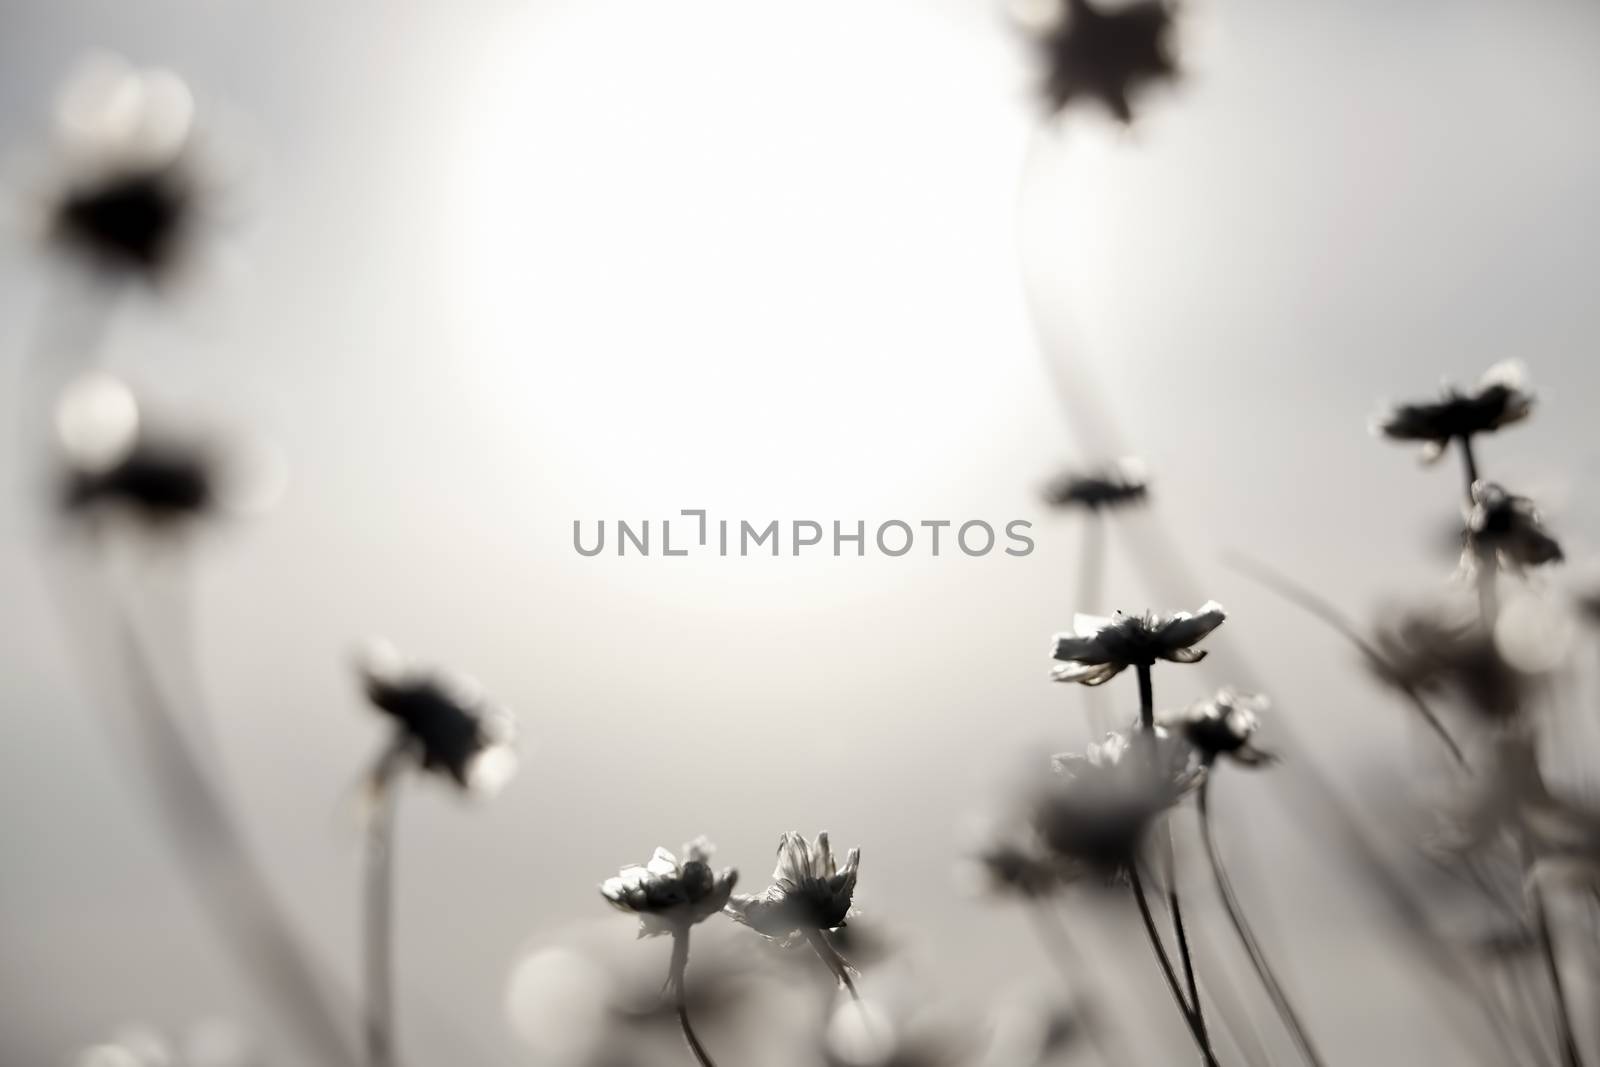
[(130, 189), (809, 897), (1099, 649), (114, 459), (668, 895), (443, 721), (1444, 646), (1096, 812), (1500, 398), (1223, 725), (1107, 54), (1112, 485), (1505, 528)]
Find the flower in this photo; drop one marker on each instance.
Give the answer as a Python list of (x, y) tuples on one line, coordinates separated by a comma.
[(1107, 55), (444, 721), (130, 189), (1444, 646), (1011, 859), (1095, 812), (1121, 482), (1500, 398), (668, 895), (1507, 528), (1223, 725), (1099, 649), (808, 892), (115, 459)]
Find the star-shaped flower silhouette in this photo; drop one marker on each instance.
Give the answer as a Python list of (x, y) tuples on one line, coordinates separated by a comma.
[(1108, 54)]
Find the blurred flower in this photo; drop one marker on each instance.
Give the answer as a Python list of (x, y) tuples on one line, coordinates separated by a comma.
[(1096, 811), (895, 1033), (1443, 646), (1099, 649), (114, 459), (668, 895), (1011, 859), (1107, 54), (808, 892), (209, 1043), (130, 188), (1500, 398), (1223, 725), (1506, 528), (1121, 482), (445, 721)]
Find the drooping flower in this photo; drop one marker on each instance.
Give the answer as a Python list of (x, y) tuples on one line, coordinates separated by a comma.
[(131, 187), (669, 895), (443, 721), (1109, 54), (808, 892), (1223, 725), (1121, 482), (1500, 398), (1096, 811), (1507, 529), (1099, 649)]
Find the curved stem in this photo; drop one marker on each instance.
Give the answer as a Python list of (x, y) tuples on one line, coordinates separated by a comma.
[(1570, 1056), (1247, 938), (1187, 959), (676, 980), (1167, 972), (378, 926)]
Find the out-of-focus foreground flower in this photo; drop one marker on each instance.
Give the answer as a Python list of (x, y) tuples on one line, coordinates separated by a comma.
[(1106, 53), (1506, 529), (1115, 484), (669, 895), (1099, 649)]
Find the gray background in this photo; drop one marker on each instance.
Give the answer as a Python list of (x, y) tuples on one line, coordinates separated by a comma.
[(498, 266)]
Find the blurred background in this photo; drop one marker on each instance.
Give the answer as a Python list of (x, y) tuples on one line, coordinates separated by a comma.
[(492, 267)]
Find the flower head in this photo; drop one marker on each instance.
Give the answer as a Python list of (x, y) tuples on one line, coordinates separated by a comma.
[(1500, 398), (1112, 485), (1096, 811), (1444, 646), (1223, 725), (808, 892), (1508, 529), (445, 721), (1012, 860), (130, 189), (1107, 54), (669, 895), (1099, 649)]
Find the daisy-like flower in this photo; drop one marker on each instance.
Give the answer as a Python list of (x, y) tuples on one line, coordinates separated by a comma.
[(1099, 649), (1507, 529), (1112, 485), (1500, 398), (670, 895), (130, 188), (115, 460), (1223, 725), (442, 721), (1108, 54), (809, 896), (1096, 812)]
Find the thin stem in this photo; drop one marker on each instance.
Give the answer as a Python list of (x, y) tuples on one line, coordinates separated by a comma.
[(1570, 1056), (1167, 972), (378, 925), (1247, 938), (837, 965), (1188, 961), (676, 980), (1147, 700), (1469, 464)]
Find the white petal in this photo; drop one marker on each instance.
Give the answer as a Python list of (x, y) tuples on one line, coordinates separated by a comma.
[(1085, 625), (663, 864)]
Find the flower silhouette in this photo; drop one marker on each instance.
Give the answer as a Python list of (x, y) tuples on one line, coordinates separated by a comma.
[(808, 891), (1505, 528), (670, 895), (1107, 54), (1223, 725), (1112, 485), (1097, 809), (1500, 398), (1444, 646), (130, 188), (445, 722), (1099, 649)]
